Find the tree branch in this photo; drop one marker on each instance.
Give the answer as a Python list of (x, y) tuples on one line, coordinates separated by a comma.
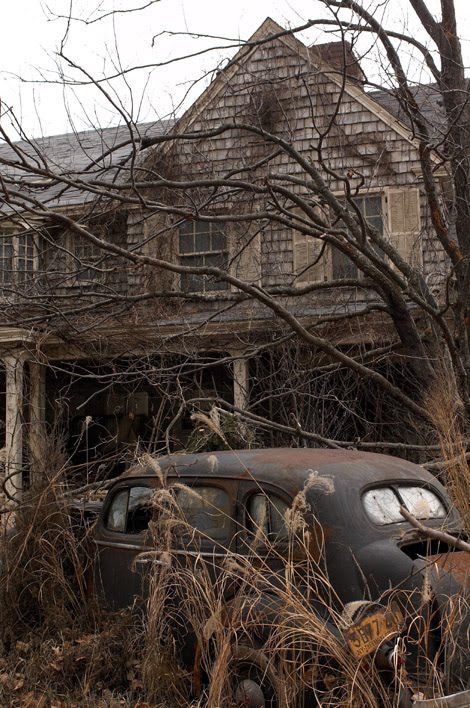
[(435, 534)]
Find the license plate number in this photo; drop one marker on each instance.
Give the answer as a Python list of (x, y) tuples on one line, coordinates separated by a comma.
[(368, 633)]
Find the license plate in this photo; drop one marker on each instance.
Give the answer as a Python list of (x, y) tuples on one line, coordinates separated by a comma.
[(368, 633)]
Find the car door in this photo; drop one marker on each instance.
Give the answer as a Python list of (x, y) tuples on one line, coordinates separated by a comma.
[(120, 538), (207, 506)]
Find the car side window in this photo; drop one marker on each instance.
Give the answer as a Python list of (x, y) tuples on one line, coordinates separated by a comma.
[(206, 509), (130, 510), (117, 512), (267, 512), (139, 509)]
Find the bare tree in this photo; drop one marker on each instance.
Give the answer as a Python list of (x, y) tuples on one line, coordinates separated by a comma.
[(348, 321)]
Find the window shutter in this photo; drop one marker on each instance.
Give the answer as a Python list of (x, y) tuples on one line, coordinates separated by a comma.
[(245, 257), (404, 223), (161, 241), (306, 251)]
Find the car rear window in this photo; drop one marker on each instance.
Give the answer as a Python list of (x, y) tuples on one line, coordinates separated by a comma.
[(382, 505), (422, 502)]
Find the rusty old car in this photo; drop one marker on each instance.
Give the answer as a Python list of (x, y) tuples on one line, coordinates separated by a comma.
[(376, 563)]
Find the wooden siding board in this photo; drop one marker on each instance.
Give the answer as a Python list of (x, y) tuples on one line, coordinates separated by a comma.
[(275, 65)]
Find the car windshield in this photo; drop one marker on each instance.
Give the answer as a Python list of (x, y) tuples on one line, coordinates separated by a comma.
[(383, 504)]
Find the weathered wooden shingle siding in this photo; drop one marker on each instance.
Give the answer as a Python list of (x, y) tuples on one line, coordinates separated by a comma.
[(58, 268), (303, 102)]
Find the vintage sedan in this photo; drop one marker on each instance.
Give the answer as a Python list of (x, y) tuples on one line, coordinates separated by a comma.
[(379, 567)]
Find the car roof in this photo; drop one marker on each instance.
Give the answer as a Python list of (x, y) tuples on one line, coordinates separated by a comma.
[(288, 468)]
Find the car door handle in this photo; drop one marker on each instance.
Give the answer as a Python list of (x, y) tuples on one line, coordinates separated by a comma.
[(144, 561)]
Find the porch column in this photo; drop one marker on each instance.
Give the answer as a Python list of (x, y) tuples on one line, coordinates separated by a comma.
[(241, 380), (37, 414), (14, 370)]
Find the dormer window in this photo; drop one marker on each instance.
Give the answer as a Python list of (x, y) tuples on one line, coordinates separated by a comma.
[(202, 244)]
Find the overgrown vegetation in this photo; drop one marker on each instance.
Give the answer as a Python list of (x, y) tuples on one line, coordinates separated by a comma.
[(55, 646), (58, 648), (449, 423)]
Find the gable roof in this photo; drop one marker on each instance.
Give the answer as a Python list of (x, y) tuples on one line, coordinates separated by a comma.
[(103, 150), (268, 30)]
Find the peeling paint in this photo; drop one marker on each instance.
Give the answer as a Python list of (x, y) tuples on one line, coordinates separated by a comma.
[(322, 483), (213, 462)]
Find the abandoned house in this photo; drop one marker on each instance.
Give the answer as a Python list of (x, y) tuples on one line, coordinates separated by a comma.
[(103, 349)]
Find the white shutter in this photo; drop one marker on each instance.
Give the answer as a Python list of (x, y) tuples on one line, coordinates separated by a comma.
[(307, 250), (245, 257), (404, 223)]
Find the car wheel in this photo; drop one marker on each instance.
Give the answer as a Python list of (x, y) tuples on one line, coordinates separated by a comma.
[(253, 680)]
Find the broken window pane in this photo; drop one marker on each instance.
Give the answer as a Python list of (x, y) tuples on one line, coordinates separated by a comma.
[(382, 506), (422, 503)]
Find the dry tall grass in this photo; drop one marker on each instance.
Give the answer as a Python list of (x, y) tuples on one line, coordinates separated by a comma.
[(207, 625), (56, 648), (44, 560), (443, 406), (282, 628)]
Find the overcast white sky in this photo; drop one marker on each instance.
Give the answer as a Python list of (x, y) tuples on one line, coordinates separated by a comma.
[(31, 37)]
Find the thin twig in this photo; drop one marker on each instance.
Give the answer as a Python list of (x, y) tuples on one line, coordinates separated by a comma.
[(435, 534)]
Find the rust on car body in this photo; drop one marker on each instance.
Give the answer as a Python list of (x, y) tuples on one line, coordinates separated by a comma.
[(340, 477), (363, 557)]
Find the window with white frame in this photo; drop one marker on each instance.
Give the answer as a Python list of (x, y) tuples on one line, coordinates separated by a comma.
[(370, 207), (201, 244), (18, 259)]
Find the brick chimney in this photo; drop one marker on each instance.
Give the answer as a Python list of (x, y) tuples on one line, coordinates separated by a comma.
[(340, 55)]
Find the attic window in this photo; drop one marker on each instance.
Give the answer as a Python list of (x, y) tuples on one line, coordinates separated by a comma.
[(202, 244)]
